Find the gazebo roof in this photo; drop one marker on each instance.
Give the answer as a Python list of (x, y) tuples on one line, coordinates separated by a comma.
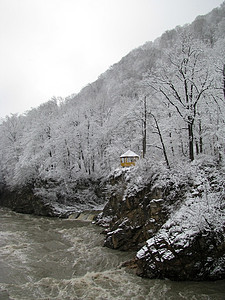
[(129, 153)]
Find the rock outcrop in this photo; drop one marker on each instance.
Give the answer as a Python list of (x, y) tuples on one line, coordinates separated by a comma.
[(25, 201), (189, 246), (136, 208), (50, 200), (201, 258), (175, 218)]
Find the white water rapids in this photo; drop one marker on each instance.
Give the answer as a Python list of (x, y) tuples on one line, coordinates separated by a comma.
[(50, 258)]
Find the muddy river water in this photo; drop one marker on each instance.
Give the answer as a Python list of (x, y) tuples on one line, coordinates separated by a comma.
[(50, 258)]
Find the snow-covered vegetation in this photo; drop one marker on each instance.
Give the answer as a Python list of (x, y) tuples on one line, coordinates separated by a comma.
[(165, 100)]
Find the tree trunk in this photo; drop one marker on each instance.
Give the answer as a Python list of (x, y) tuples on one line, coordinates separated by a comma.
[(191, 140), (144, 129), (224, 81), (161, 140), (196, 148), (200, 138)]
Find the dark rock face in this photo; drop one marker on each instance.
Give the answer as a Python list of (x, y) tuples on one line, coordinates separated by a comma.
[(202, 259), (24, 201), (191, 243), (137, 220), (175, 220), (50, 200), (134, 215)]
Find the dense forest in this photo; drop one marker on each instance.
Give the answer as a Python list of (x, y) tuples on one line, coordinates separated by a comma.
[(164, 100)]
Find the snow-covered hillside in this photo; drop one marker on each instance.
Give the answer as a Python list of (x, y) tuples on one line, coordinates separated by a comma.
[(164, 100)]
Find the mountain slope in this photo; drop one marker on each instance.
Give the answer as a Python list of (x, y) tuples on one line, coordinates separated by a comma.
[(163, 99)]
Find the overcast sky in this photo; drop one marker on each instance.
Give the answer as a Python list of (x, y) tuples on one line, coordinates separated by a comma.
[(55, 47)]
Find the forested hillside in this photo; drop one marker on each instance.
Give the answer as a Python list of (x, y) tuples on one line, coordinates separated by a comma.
[(165, 100)]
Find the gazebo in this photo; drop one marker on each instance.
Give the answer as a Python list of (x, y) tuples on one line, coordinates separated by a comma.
[(128, 159)]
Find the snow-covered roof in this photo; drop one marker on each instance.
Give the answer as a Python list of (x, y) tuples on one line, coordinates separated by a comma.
[(129, 153)]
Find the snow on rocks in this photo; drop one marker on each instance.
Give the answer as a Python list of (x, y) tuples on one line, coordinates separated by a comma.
[(190, 245), (175, 218)]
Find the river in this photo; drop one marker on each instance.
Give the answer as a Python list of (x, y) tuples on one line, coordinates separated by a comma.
[(50, 258)]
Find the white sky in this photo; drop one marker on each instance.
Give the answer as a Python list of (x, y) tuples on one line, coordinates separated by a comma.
[(56, 47)]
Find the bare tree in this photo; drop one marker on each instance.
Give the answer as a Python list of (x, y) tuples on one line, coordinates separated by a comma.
[(161, 139), (182, 80)]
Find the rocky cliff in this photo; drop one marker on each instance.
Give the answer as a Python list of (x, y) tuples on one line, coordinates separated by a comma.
[(175, 218), (47, 199), (137, 207)]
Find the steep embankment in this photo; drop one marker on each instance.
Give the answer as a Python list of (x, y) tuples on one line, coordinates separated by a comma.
[(137, 206), (49, 200), (180, 213)]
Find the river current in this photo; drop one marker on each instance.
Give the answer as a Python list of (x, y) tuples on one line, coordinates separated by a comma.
[(50, 258)]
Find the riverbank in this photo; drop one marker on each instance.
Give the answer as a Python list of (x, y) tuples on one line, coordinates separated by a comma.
[(52, 200), (172, 218)]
